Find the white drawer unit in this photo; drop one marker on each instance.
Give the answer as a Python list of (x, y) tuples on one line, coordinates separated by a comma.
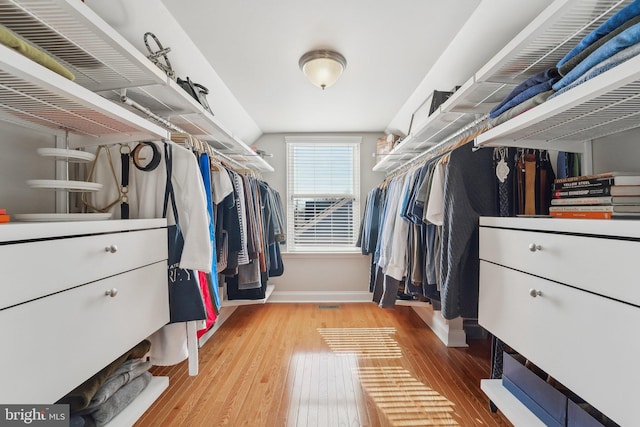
[(71, 307), (569, 305), (66, 262), (603, 265)]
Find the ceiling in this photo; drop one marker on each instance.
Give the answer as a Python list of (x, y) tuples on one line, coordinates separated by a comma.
[(254, 46)]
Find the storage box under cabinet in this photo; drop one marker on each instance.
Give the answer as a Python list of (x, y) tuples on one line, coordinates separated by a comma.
[(549, 404)]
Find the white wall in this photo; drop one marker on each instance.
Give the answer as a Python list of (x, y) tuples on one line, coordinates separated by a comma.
[(321, 277), (620, 152), (19, 162)]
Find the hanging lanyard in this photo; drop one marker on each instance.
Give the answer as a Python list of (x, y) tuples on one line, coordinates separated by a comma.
[(125, 157)]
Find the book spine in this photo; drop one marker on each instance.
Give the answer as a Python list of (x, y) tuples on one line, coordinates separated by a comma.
[(583, 178), (601, 208), (583, 215), (605, 200), (582, 192), (583, 184)]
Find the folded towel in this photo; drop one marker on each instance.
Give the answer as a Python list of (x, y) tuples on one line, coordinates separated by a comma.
[(627, 38), (571, 64), (10, 39), (609, 25)]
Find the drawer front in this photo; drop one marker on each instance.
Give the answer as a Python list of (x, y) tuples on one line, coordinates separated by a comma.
[(34, 269), (585, 341), (604, 266), (53, 344)]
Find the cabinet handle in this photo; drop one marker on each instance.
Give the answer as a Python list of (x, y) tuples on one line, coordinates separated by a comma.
[(111, 292), (533, 247), (535, 293), (111, 248)]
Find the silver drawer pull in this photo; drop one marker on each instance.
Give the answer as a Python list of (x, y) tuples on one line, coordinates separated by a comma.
[(535, 293), (533, 247), (111, 292), (111, 248)]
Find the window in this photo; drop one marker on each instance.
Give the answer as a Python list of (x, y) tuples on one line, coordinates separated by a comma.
[(323, 192)]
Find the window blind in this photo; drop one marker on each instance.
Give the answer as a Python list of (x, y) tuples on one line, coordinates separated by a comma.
[(323, 188)]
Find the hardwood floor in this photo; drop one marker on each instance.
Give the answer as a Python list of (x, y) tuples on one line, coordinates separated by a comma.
[(301, 365)]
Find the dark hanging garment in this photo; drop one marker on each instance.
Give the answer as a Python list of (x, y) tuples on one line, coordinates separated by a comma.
[(544, 184), (505, 170), (469, 192)]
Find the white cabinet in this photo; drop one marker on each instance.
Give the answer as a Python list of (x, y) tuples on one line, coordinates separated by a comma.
[(569, 305), (70, 307)]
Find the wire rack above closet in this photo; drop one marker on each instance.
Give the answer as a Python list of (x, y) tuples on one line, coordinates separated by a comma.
[(538, 47), (105, 62)]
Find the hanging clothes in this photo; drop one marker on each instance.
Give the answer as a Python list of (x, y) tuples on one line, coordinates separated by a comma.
[(145, 197)]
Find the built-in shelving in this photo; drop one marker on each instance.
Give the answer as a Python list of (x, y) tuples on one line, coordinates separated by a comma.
[(239, 302), (33, 94), (538, 47), (509, 405), (139, 406), (105, 62)]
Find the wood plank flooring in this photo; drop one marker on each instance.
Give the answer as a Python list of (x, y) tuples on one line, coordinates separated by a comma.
[(289, 365)]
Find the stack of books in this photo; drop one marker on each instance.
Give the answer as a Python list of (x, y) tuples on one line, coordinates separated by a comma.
[(607, 195)]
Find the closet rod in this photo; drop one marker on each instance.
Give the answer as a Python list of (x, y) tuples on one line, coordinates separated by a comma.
[(185, 136), (130, 102), (442, 147)]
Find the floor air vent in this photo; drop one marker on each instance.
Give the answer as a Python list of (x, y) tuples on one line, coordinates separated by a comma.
[(329, 306)]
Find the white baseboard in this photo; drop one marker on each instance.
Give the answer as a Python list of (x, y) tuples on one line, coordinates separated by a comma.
[(319, 296), (450, 332)]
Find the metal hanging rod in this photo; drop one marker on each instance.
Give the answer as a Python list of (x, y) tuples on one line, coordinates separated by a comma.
[(442, 147), (164, 122), (174, 128)]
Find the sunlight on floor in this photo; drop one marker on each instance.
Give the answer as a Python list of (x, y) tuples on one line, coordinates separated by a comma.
[(366, 343), (324, 391), (404, 400)]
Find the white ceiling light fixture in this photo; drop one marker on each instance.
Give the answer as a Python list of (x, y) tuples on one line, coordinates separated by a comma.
[(322, 67)]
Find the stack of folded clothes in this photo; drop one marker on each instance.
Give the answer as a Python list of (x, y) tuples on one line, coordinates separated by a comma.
[(99, 399), (533, 91), (612, 43)]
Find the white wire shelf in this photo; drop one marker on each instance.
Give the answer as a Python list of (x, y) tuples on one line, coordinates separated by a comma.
[(105, 62), (31, 93), (538, 47), (604, 105)]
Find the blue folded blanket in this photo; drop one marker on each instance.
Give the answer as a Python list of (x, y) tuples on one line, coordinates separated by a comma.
[(609, 25), (627, 38)]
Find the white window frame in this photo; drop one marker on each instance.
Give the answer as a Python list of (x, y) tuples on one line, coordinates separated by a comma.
[(352, 141)]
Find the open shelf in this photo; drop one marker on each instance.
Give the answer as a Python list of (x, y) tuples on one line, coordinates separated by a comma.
[(106, 63), (33, 94), (239, 302), (604, 105), (509, 405), (538, 47)]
